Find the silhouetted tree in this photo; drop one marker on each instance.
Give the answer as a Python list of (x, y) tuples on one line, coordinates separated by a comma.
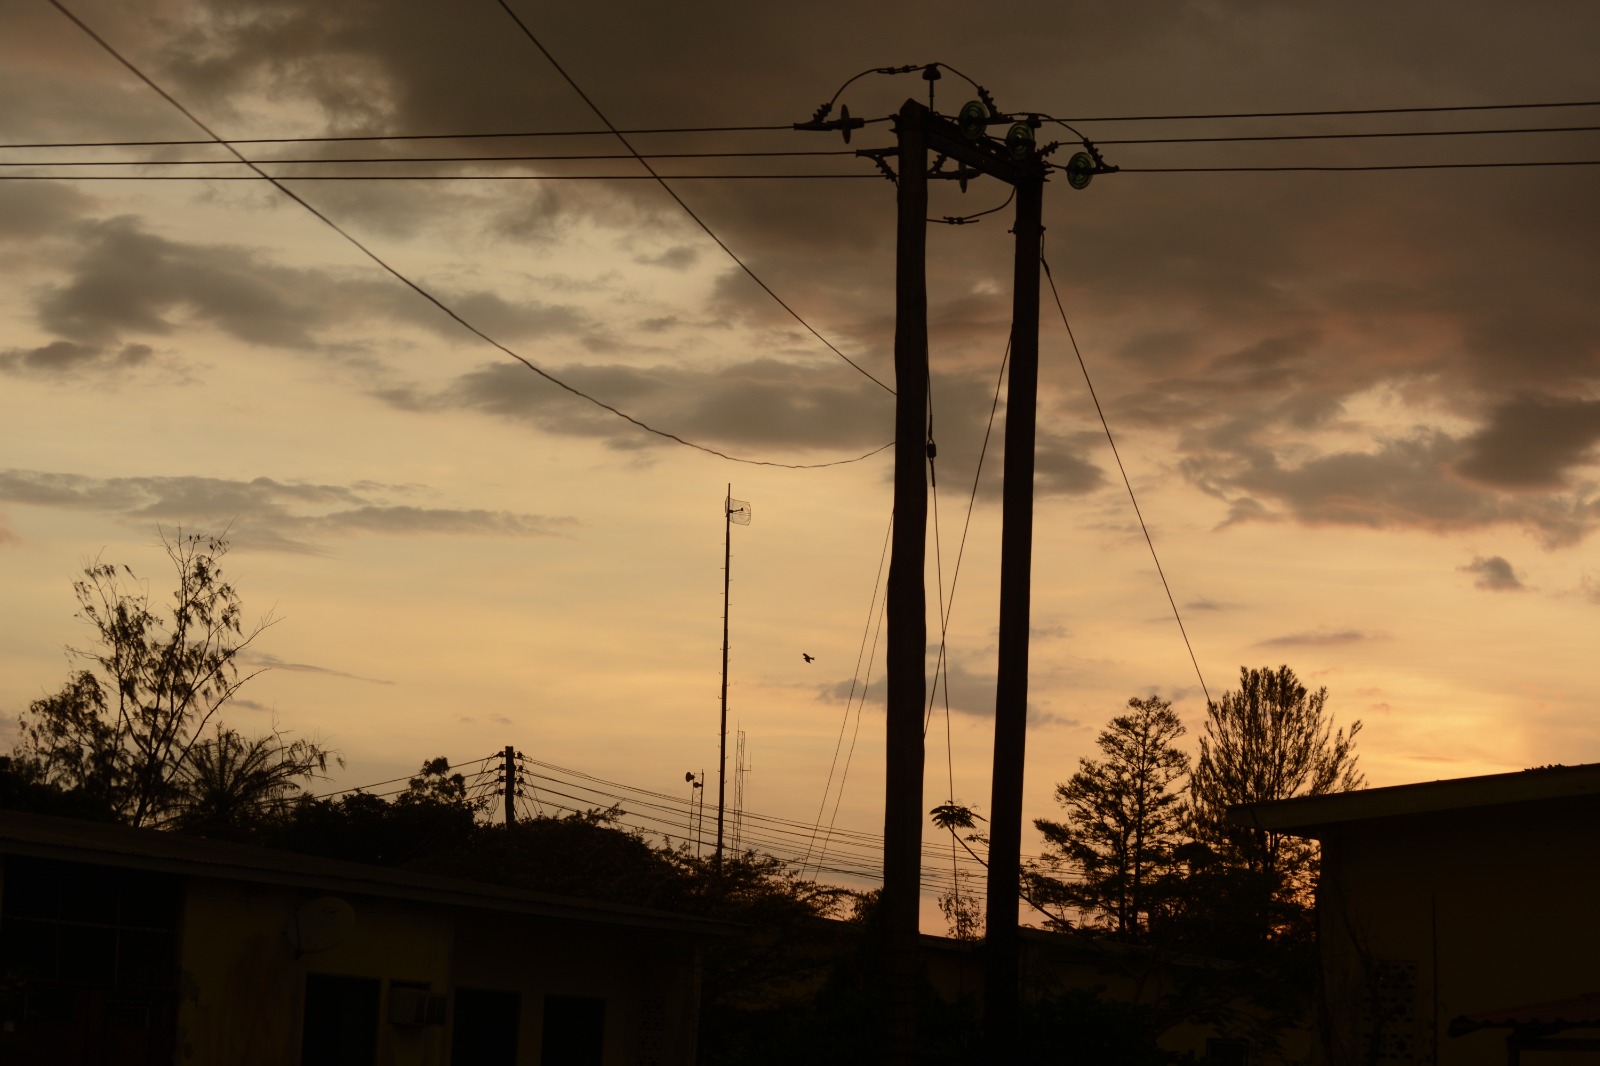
[(1270, 740), (432, 817), (126, 727), (1124, 820), (230, 784)]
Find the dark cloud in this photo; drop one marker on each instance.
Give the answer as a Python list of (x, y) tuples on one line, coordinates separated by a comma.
[(1320, 639), (1493, 573), (678, 257), (65, 358), (1406, 482), (129, 280), (763, 402), (1204, 604), (266, 514), (1532, 442), (256, 659), (38, 209), (126, 279), (1243, 314)]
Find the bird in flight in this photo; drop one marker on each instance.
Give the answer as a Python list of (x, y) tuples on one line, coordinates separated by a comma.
[(808, 658)]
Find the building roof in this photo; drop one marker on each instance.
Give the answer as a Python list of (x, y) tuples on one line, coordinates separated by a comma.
[(72, 840), (1579, 1012), (1309, 815)]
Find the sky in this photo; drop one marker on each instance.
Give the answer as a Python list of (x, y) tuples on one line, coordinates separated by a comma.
[(1360, 410)]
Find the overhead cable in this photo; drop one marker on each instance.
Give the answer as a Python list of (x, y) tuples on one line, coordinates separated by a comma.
[(1339, 111), (1125, 481), (417, 288), (623, 140)]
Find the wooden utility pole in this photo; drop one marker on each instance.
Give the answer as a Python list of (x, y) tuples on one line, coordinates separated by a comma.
[(1001, 970), (1017, 163), (906, 655)]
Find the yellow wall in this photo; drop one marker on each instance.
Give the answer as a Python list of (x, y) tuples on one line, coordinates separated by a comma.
[(1493, 909), (645, 977), (242, 985)]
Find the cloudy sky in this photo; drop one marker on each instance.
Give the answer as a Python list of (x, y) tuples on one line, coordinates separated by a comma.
[(1360, 408)]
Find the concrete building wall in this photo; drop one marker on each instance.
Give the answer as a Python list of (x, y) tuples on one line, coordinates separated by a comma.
[(1424, 918)]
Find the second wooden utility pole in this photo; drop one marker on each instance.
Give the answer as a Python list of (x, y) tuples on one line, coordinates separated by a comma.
[(1001, 969), (907, 605)]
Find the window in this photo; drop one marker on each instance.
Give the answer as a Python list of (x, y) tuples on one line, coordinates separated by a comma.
[(574, 1031), (93, 952)]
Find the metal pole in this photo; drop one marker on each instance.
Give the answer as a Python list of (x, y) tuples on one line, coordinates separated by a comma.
[(722, 736), (907, 598), (1002, 967)]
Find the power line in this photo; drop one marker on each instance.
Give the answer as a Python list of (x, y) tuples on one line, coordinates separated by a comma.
[(876, 584), (417, 288), (407, 777), (1124, 471), (344, 160), (1340, 111), (433, 177), (374, 137), (838, 797), (1348, 136), (780, 127), (1293, 168), (523, 26)]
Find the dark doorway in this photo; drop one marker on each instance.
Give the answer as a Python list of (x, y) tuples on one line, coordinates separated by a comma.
[(574, 1031), (341, 1021), (485, 1028)]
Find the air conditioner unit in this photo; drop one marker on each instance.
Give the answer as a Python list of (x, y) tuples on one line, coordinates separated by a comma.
[(415, 1006)]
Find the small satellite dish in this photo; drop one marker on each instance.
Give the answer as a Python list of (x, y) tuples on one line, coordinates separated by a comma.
[(973, 120), (1080, 169), (322, 924)]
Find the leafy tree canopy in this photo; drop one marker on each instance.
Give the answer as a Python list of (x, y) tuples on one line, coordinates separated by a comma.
[(129, 729)]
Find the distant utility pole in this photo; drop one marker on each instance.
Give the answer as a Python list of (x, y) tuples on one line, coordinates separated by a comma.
[(697, 805), (508, 774), (734, 512)]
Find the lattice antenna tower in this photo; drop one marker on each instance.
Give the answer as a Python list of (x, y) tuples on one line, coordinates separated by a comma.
[(740, 767)]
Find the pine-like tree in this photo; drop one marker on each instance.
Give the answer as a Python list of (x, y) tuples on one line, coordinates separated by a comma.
[(1270, 740), (1124, 819)]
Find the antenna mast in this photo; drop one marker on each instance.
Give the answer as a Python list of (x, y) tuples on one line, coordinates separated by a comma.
[(734, 512)]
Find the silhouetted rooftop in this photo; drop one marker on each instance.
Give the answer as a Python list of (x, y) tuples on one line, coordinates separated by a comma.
[(1305, 815), (1579, 1012), (72, 840)]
